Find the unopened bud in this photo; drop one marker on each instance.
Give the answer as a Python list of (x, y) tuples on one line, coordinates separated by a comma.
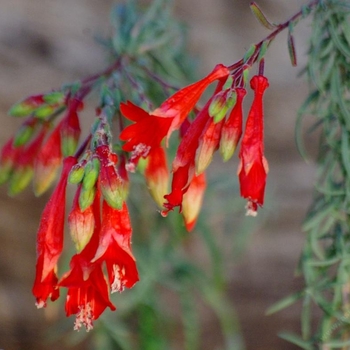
[(81, 223), (27, 106), (54, 97), (76, 174), (70, 131), (221, 103), (20, 179), (23, 135), (45, 111), (91, 172), (86, 197)]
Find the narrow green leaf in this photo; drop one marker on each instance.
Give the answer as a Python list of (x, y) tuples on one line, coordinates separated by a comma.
[(291, 49), (345, 151), (284, 303), (337, 344), (260, 16), (341, 45), (306, 317), (294, 339)]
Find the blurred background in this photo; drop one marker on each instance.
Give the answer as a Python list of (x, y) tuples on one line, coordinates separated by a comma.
[(44, 43)]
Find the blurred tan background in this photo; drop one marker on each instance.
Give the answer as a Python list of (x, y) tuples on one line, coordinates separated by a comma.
[(44, 43)]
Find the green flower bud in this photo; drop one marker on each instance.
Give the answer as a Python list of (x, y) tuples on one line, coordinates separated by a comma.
[(91, 172), (54, 97), (86, 197), (76, 174)]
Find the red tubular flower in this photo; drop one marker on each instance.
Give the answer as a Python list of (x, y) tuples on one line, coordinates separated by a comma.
[(179, 185), (48, 161), (183, 166), (114, 248), (192, 201), (183, 101), (232, 129), (88, 294), (253, 165), (157, 174), (150, 129), (50, 240)]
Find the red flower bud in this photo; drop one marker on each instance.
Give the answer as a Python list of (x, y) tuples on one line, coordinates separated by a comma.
[(232, 129), (157, 175), (48, 162), (192, 201)]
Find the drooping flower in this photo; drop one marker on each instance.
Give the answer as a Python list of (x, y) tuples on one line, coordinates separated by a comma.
[(50, 240), (88, 294), (150, 129), (184, 164), (114, 248), (192, 201), (253, 167), (231, 131)]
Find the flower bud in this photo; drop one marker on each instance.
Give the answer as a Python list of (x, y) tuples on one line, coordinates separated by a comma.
[(23, 167), (8, 158), (208, 144), (27, 106), (192, 201), (76, 175), (20, 179), (54, 97), (70, 131), (81, 223), (157, 175), (232, 129), (86, 197), (113, 188), (45, 111), (221, 103), (91, 172), (47, 162), (23, 134)]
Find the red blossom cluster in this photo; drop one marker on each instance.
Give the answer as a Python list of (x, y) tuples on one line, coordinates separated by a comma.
[(218, 125), (98, 220)]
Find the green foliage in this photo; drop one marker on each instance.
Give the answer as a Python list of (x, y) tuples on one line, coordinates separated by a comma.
[(325, 260)]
